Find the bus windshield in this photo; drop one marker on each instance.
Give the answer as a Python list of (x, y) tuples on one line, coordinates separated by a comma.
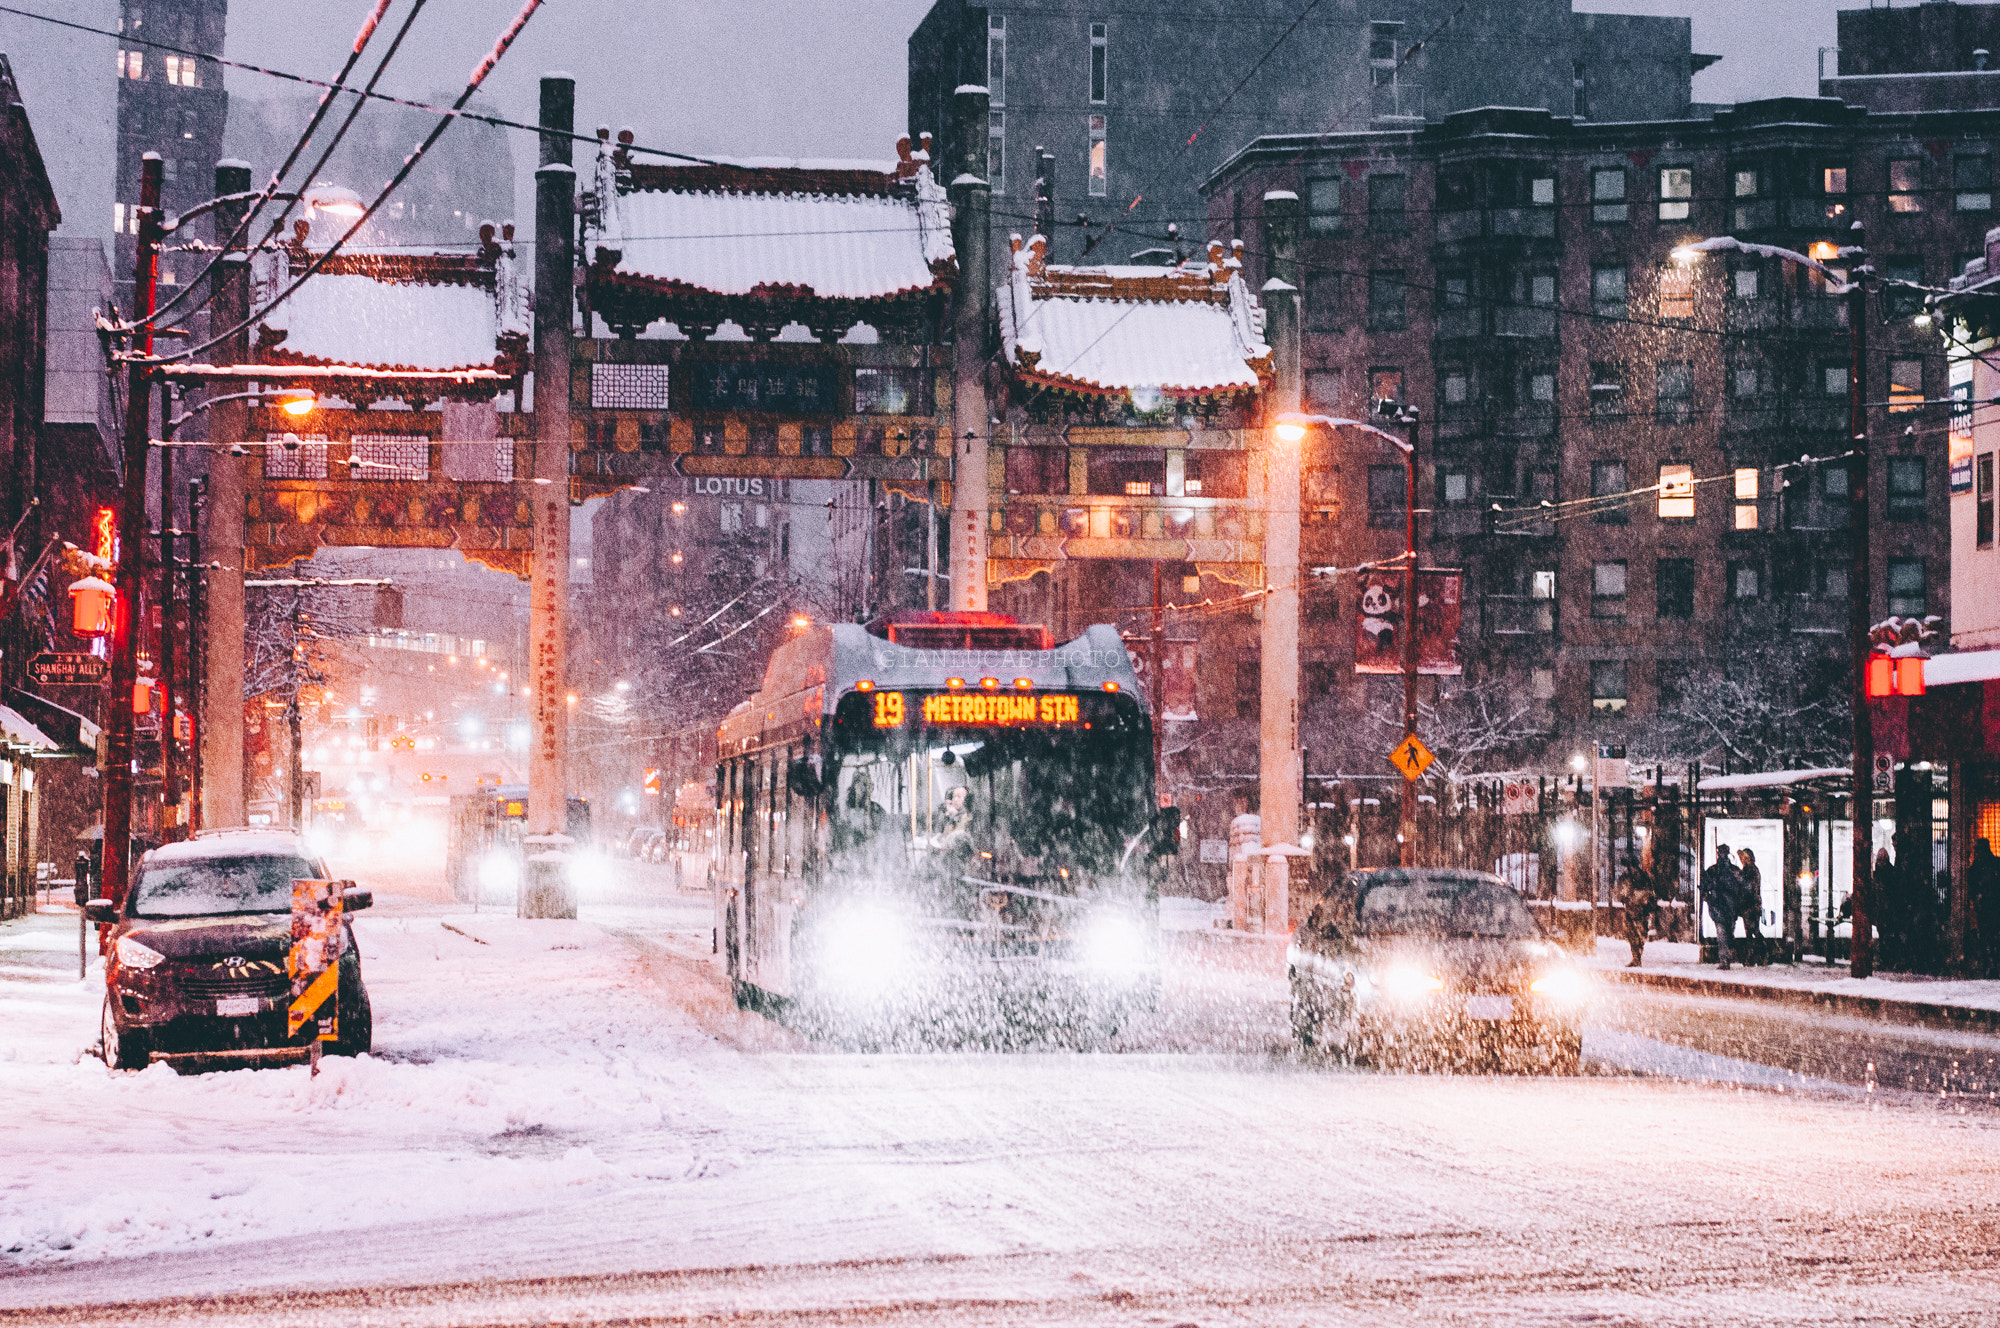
[(1002, 805)]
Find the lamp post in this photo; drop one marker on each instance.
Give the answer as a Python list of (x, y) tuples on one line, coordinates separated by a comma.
[(1292, 427), (1853, 285)]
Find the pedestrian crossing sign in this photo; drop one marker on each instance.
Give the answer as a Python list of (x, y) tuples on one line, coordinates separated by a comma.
[(1412, 758)]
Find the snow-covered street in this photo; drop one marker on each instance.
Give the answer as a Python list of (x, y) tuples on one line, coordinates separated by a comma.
[(571, 1122)]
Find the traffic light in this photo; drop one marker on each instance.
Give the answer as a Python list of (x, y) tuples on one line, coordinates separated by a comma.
[(1895, 676)]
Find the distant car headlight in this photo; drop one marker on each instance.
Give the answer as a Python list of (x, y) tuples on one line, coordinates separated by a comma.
[(1409, 983), (1562, 984), (863, 948), (1114, 943), (131, 954), (498, 871)]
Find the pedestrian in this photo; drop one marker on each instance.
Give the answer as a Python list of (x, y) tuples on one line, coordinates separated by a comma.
[(1756, 950), (1642, 903), (1722, 891), (1888, 912), (1983, 884)]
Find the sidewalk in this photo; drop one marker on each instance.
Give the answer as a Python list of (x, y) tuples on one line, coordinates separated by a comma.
[(1953, 1004)]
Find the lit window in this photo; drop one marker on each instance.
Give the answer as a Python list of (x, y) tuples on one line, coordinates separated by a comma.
[(1099, 160), (1676, 492), (1099, 55), (1676, 188), (1833, 183), (1542, 585), (1906, 384), (1747, 479), (1904, 181), (1676, 293)]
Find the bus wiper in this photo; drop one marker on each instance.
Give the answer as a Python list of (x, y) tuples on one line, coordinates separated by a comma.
[(1024, 891)]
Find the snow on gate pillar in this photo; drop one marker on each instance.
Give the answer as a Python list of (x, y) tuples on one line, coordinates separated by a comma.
[(546, 890), (972, 305)]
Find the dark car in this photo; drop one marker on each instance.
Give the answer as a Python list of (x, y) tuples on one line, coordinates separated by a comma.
[(1433, 967), (196, 965)]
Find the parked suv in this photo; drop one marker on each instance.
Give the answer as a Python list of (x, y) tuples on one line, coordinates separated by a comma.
[(196, 965)]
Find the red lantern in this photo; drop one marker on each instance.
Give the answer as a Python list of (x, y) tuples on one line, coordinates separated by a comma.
[(91, 601)]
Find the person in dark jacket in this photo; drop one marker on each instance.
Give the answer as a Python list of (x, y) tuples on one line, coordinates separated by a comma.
[(1983, 882), (1642, 902), (1756, 950), (1722, 891)]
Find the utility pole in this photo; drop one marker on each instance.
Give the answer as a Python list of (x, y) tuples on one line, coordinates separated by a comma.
[(170, 779), (295, 761), (1861, 955), (219, 720), (131, 553), (1408, 830), (197, 688)]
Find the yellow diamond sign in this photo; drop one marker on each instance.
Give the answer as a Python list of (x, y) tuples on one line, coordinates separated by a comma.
[(1411, 757)]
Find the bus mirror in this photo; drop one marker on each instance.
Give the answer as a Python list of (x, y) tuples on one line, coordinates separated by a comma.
[(1166, 832), (803, 777)]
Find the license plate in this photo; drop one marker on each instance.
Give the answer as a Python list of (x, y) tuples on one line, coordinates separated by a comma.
[(1489, 1007), (237, 1005)]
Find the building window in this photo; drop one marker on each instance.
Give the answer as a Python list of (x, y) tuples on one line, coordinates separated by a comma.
[(298, 457), (1323, 206), (1972, 183), (1746, 380), (1745, 283), (1607, 291), (1457, 387), (1748, 211), (1677, 294), (1676, 189), (1906, 488), (1385, 205), (1542, 684), (1607, 391), (1542, 584), (1833, 379), (1906, 588), (1982, 496), (1542, 385), (1455, 291), (1903, 301), (1607, 194), (1387, 495), (1607, 685), (1542, 289), (1747, 482), (181, 71), (996, 59), (1833, 580), (391, 456), (1673, 386), (1833, 185), (1746, 581), (131, 64), (1100, 162), (1386, 311), (1673, 684), (1673, 588), (1454, 485), (1323, 390), (1676, 501), (1906, 385), (1904, 182), (1607, 589), (1323, 301), (1100, 54), (1249, 688), (996, 151), (1607, 482)]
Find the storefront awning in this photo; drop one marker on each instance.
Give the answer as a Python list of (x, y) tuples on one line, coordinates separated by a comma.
[(63, 732)]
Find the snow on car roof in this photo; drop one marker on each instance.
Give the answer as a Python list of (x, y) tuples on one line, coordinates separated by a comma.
[(234, 844)]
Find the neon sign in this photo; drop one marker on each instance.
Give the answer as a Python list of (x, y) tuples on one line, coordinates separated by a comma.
[(104, 533)]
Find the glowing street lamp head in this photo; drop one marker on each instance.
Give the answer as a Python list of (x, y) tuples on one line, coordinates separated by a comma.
[(335, 201), (300, 402), (1823, 250), (1290, 430), (1684, 255)]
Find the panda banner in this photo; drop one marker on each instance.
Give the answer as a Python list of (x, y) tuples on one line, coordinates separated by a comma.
[(1379, 622)]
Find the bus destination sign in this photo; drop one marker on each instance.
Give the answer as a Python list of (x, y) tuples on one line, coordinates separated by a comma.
[(981, 709)]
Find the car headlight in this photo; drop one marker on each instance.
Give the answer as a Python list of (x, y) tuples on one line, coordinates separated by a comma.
[(1406, 982), (498, 871), (1114, 943), (131, 954), (1562, 984)]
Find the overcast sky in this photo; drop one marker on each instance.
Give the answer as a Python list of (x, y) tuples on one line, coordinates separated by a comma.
[(812, 77)]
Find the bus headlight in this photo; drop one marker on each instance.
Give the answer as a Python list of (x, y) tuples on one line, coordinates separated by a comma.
[(498, 871), (864, 948), (1114, 943)]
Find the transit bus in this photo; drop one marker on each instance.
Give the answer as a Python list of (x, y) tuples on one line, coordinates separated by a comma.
[(948, 822), (483, 833)]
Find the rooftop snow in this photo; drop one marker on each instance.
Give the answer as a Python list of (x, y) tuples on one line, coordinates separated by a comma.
[(345, 319), (1178, 346), (841, 247), (1966, 666)]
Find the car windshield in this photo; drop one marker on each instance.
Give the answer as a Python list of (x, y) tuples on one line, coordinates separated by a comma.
[(198, 887), (1443, 906)]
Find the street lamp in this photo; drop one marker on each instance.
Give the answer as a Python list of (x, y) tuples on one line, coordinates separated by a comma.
[(1861, 962), (1292, 428)]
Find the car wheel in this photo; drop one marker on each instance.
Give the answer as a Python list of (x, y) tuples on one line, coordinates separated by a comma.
[(1566, 1053), (122, 1050), (357, 1030)]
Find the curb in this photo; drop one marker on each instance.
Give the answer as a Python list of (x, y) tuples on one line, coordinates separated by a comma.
[(1914, 1014)]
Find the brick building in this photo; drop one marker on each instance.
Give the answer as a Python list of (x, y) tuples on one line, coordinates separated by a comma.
[(1516, 282), (171, 104)]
